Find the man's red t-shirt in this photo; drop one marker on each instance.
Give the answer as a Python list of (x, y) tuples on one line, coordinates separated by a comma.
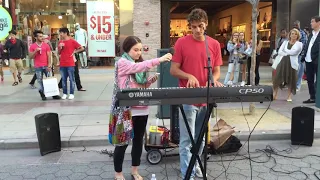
[(40, 59), (192, 56), (66, 58)]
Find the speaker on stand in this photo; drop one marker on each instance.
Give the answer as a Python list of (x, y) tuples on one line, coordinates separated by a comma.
[(302, 126), (48, 132)]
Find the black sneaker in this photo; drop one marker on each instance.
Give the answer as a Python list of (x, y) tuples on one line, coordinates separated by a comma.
[(43, 97), (309, 101), (56, 97)]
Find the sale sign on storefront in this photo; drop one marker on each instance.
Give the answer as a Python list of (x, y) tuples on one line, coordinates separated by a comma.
[(101, 36), (5, 23)]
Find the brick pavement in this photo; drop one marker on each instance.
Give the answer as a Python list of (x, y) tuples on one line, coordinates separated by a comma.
[(65, 165)]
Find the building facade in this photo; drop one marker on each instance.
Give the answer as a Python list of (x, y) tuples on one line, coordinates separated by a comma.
[(159, 15), (155, 21)]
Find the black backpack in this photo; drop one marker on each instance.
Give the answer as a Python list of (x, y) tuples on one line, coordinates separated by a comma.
[(232, 145)]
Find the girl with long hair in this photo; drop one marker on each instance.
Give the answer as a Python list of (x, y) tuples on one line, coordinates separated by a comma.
[(233, 48), (243, 57), (131, 73)]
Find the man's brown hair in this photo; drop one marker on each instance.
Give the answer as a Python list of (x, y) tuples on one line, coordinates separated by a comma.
[(316, 18), (197, 15)]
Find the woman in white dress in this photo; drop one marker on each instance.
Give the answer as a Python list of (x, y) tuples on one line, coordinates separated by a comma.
[(286, 64)]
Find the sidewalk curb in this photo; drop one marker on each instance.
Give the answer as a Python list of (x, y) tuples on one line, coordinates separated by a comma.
[(103, 140)]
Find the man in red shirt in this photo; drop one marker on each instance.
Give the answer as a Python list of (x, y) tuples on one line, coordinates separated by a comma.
[(67, 49), (188, 64), (40, 52)]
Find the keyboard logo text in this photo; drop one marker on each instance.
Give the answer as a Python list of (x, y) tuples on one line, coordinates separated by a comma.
[(251, 91), (140, 94)]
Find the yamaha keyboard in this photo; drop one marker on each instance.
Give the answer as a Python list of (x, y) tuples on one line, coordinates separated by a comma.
[(176, 96)]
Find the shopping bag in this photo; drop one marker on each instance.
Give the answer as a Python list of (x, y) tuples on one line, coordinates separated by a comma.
[(221, 133), (120, 126), (50, 85)]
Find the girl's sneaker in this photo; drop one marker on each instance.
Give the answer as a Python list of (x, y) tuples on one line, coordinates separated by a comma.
[(229, 83), (242, 83)]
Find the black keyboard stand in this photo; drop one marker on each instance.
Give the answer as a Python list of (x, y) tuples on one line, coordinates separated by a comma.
[(196, 145)]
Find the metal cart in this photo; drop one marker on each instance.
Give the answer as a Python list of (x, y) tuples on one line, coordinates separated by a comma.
[(154, 154)]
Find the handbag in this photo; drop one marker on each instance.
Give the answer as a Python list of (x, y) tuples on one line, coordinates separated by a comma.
[(276, 61), (273, 56), (221, 133), (50, 86), (120, 120), (248, 52)]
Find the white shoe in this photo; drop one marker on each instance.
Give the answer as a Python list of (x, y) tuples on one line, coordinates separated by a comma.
[(229, 83), (198, 172), (242, 83), (71, 96), (64, 96), (191, 178)]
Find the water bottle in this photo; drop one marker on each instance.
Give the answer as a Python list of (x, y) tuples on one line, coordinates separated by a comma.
[(153, 177)]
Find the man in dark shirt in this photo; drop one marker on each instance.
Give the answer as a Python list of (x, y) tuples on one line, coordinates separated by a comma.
[(311, 57), (16, 52)]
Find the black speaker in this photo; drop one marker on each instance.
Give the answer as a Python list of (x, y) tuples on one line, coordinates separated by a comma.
[(48, 132), (302, 126), (174, 124)]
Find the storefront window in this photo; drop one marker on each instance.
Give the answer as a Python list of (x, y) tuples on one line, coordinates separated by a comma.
[(225, 18), (50, 15)]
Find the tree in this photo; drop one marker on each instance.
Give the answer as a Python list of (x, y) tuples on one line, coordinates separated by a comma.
[(255, 13)]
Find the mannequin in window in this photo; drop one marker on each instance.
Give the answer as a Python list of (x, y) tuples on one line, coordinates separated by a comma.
[(25, 24), (37, 23), (46, 29), (82, 38)]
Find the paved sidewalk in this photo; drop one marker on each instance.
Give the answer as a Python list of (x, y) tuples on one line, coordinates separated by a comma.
[(76, 164), (84, 121)]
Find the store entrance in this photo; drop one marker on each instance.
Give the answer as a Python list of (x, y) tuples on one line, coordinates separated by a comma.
[(225, 18), (50, 15)]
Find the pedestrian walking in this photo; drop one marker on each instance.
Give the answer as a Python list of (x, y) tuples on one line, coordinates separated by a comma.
[(16, 52)]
